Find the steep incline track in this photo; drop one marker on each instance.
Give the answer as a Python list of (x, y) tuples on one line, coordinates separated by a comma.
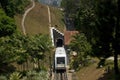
[(24, 16), (60, 76)]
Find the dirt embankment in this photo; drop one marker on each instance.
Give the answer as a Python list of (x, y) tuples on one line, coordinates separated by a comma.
[(91, 73)]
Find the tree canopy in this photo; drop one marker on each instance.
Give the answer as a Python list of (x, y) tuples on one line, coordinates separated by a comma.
[(100, 22), (83, 49), (7, 24), (11, 7), (19, 48)]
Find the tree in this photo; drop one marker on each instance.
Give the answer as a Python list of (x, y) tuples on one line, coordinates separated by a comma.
[(20, 5), (20, 42), (19, 48), (37, 47), (70, 7), (11, 7), (85, 20), (82, 47), (8, 7), (116, 41), (7, 54), (7, 25), (100, 22), (105, 24)]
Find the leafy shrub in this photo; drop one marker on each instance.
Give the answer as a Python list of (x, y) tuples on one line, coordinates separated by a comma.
[(43, 75), (15, 76), (3, 77), (33, 75)]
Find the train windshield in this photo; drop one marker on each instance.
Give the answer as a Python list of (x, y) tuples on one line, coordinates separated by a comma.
[(60, 60)]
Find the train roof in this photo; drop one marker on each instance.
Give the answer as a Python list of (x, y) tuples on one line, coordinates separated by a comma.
[(60, 52)]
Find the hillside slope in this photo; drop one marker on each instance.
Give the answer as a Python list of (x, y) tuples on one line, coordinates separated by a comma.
[(91, 72), (37, 20)]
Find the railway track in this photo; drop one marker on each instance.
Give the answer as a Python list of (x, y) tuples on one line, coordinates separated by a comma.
[(60, 75)]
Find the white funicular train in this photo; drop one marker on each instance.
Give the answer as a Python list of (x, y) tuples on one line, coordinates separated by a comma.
[(60, 62)]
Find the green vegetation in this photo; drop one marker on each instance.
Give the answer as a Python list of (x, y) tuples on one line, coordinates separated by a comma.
[(97, 21), (100, 22), (11, 7), (83, 49), (3, 78), (109, 68), (25, 57), (7, 24), (15, 76), (57, 18), (30, 75), (19, 52), (104, 73), (33, 75), (19, 49)]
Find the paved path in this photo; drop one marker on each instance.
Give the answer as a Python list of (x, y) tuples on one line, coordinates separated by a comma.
[(24, 16)]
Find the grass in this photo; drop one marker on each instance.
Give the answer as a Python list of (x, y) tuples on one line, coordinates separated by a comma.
[(91, 72), (37, 20), (57, 18), (18, 19)]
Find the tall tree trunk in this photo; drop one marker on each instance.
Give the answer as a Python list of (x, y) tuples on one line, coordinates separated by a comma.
[(116, 48), (116, 63), (117, 36)]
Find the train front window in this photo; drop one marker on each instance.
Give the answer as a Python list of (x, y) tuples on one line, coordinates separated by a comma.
[(60, 60)]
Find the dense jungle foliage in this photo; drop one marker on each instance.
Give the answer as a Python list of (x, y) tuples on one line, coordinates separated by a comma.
[(99, 20), (20, 54)]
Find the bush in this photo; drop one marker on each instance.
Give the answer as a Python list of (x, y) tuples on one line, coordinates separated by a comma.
[(3, 77), (15, 76), (33, 75)]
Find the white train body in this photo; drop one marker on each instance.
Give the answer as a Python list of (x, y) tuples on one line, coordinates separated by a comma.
[(60, 59)]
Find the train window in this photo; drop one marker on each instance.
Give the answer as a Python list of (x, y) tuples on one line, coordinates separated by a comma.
[(60, 60), (59, 43)]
